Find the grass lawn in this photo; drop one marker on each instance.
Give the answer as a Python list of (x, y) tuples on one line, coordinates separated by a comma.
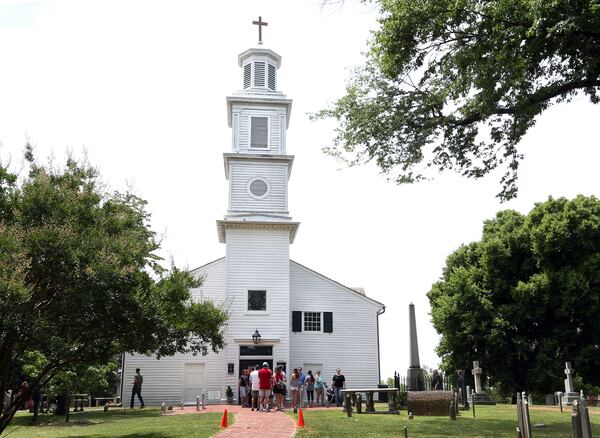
[(491, 421), (138, 423)]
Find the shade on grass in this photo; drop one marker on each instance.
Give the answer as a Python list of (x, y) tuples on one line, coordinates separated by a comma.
[(146, 423), (491, 421)]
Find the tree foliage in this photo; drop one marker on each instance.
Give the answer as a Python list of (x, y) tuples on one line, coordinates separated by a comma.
[(525, 299), (456, 84), (80, 281)]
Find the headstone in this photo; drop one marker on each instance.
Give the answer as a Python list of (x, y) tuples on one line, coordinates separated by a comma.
[(523, 416), (479, 397), (429, 403), (477, 375), (549, 399), (580, 419), (570, 394), (414, 377)]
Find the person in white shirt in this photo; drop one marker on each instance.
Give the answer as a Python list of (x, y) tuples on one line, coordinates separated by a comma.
[(254, 384)]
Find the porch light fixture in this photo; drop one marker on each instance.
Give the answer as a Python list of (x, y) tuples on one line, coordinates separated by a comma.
[(256, 337)]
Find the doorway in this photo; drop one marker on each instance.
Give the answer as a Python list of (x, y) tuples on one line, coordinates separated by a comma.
[(194, 380), (245, 363)]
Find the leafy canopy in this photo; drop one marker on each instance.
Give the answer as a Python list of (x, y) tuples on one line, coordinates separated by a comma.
[(456, 84), (80, 281), (525, 299)]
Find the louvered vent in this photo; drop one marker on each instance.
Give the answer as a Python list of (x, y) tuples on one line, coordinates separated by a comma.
[(259, 74), (271, 77), (247, 75), (259, 127)]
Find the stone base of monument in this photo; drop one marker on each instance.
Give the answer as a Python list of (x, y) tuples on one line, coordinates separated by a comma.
[(429, 403), (481, 398), (568, 397), (414, 379)]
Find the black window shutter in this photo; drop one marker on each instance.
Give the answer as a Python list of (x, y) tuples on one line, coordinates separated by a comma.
[(296, 321), (327, 322)]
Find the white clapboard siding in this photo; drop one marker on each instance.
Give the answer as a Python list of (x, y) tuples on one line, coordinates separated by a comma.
[(276, 175), (163, 379), (353, 344), (276, 135), (214, 276)]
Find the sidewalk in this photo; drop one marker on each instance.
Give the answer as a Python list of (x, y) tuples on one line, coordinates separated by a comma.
[(248, 424)]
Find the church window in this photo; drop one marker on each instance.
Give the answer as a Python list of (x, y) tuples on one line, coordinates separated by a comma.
[(259, 132), (312, 321), (271, 77), (257, 300), (259, 74), (247, 75), (258, 188)]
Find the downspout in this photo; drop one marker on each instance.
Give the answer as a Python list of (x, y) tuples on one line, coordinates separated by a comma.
[(122, 377), (380, 312)]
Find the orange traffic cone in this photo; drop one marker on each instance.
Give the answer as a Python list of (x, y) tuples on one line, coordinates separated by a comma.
[(224, 420), (300, 418)]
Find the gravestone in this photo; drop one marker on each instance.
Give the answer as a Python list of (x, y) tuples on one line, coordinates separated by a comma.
[(580, 419), (429, 403), (524, 424), (479, 397), (570, 393)]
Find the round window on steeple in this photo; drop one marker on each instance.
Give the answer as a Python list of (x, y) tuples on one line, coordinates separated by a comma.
[(258, 188)]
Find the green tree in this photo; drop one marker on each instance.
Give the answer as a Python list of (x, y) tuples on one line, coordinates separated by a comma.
[(456, 84), (95, 379), (80, 281), (525, 299)]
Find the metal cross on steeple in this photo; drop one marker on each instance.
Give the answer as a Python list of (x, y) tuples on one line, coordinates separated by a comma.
[(260, 24)]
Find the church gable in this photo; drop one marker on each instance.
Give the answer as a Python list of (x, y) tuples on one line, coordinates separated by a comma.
[(306, 278), (213, 277)]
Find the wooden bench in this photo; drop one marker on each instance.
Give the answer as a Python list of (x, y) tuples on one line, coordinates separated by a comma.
[(78, 399), (355, 395), (111, 401)]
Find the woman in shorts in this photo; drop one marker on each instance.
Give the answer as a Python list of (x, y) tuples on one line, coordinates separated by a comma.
[(294, 382), (279, 387), (320, 389)]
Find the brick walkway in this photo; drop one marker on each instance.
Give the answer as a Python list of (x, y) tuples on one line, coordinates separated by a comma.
[(248, 424)]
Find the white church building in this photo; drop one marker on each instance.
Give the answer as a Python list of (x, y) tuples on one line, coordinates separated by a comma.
[(304, 318)]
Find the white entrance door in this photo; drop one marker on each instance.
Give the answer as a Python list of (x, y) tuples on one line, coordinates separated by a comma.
[(194, 381)]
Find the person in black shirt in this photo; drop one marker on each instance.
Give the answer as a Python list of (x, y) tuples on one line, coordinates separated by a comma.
[(243, 385), (338, 383), (436, 381)]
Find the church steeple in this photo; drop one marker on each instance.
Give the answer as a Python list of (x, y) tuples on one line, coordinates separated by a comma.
[(258, 167)]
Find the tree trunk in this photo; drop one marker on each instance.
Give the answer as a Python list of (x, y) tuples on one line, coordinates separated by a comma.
[(16, 401), (5, 360)]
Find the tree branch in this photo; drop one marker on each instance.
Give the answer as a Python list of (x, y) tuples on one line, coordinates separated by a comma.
[(540, 96)]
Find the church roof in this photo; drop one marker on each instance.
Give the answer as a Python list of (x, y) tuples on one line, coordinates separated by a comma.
[(324, 277)]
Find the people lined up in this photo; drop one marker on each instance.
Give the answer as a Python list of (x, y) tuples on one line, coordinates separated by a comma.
[(260, 389)]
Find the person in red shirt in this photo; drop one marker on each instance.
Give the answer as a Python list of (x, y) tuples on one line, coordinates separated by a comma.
[(265, 377)]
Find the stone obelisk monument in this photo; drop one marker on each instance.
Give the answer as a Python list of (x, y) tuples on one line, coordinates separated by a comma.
[(414, 380)]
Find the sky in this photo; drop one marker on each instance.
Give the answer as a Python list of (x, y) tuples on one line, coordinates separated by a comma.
[(139, 88)]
